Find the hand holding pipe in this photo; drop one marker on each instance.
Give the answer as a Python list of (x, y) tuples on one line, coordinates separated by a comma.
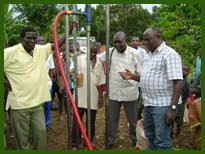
[(75, 110)]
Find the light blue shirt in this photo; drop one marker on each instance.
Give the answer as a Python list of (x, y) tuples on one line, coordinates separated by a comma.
[(197, 69)]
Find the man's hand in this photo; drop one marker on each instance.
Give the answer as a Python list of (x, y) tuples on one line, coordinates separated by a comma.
[(100, 102), (61, 40), (71, 26), (7, 85), (170, 117), (127, 75)]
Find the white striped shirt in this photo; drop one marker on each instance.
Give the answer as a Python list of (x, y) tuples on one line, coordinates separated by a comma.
[(120, 89), (160, 68)]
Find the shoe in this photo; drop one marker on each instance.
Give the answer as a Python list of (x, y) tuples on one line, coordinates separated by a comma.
[(110, 145), (74, 148), (134, 143), (93, 144)]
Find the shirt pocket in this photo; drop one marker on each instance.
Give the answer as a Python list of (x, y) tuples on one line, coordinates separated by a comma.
[(156, 65)]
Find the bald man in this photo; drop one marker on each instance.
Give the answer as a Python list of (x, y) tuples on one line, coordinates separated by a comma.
[(122, 92)]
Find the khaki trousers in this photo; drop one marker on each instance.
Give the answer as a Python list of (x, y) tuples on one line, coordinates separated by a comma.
[(29, 123)]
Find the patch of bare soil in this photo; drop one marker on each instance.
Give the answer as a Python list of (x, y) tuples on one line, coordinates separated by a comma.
[(57, 136)]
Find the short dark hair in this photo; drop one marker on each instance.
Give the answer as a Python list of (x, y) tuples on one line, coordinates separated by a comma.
[(26, 29), (187, 66), (136, 37)]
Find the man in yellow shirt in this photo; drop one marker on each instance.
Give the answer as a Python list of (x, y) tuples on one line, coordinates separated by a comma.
[(24, 66)]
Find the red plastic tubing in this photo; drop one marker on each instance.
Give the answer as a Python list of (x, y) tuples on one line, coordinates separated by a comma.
[(75, 110)]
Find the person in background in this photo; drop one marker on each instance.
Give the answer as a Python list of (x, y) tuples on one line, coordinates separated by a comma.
[(181, 107), (197, 64), (97, 78), (59, 85), (71, 68), (135, 44), (50, 68), (79, 51), (100, 51), (196, 87)]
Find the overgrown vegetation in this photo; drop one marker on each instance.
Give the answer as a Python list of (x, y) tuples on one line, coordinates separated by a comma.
[(180, 24)]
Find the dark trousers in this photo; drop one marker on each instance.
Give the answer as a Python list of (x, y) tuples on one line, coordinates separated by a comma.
[(81, 112), (47, 109), (113, 118), (179, 117)]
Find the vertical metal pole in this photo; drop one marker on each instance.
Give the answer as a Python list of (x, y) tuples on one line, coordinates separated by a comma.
[(68, 77), (107, 20), (88, 74), (75, 64)]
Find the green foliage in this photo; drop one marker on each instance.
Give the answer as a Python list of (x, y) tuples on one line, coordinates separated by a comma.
[(179, 23), (13, 27), (6, 7), (130, 18), (181, 27), (40, 16)]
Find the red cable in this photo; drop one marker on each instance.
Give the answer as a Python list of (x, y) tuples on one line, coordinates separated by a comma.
[(75, 110)]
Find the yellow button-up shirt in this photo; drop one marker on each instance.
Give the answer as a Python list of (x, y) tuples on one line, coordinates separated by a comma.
[(27, 75)]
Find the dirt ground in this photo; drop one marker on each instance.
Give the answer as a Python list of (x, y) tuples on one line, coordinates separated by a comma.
[(57, 136)]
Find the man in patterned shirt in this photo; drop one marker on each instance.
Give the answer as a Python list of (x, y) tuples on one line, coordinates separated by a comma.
[(122, 92), (161, 83)]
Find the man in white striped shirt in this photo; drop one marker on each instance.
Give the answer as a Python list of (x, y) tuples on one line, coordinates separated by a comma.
[(161, 84), (121, 91)]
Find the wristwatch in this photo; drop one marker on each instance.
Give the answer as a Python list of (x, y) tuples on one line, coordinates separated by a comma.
[(173, 107)]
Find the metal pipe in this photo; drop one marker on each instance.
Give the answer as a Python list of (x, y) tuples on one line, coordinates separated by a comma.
[(77, 13), (107, 20), (88, 20), (68, 78), (75, 62), (75, 110)]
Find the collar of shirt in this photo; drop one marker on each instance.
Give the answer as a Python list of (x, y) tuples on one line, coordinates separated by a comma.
[(160, 47), (20, 46), (97, 63), (125, 52)]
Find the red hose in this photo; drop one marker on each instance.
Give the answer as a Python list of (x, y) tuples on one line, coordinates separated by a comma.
[(75, 110)]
